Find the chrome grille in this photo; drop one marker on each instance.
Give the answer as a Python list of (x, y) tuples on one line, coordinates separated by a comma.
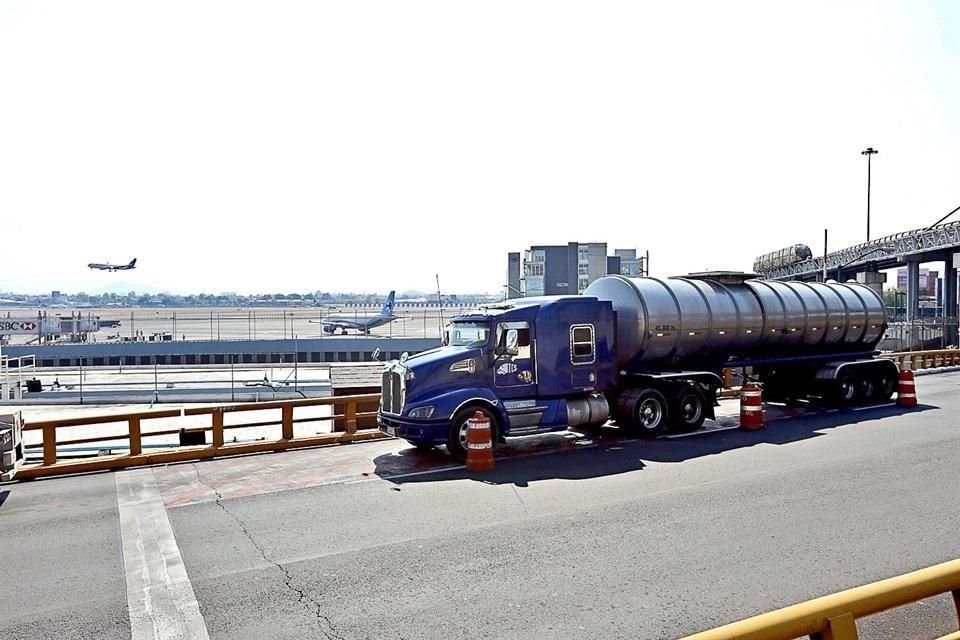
[(391, 392)]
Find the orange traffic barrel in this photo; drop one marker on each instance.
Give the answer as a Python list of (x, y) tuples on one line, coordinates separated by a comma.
[(479, 443), (751, 407), (907, 391)]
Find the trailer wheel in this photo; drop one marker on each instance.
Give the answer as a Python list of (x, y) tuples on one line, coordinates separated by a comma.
[(884, 386), (844, 390), (689, 409), (648, 412), (457, 435), (866, 389)]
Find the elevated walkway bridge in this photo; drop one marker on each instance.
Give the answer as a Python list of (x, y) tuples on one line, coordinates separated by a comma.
[(863, 262)]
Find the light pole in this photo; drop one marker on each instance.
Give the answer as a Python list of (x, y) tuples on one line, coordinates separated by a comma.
[(869, 151)]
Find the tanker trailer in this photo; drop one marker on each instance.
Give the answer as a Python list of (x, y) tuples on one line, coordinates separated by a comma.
[(647, 352), (800, 339)]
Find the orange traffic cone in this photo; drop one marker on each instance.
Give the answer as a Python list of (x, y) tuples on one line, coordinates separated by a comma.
[(751, 407), (479, 443), (907, 391)]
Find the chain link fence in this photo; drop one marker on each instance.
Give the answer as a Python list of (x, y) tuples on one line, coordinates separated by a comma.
[(920, 334)]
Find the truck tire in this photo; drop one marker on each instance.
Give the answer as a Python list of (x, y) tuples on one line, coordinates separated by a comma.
[(457, 435), (688, 409), (844, 390), (647, 413), (884, 385)]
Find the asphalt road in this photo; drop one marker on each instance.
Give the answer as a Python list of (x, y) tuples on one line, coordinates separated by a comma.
[(638, 539)]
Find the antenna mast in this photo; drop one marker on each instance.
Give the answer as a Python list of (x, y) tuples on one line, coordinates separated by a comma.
[(440, 303)]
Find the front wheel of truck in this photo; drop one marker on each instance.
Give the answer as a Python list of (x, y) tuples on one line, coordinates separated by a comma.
[(457, 436)]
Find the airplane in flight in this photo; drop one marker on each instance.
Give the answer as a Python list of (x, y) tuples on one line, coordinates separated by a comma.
[(114, 267), (362, 323)]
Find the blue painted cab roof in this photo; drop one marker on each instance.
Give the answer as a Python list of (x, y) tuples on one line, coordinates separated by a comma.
[(517, 307)]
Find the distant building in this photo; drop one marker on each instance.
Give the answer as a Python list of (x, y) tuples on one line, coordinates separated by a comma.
[(569, 269), (513, 275), (630, 264), (928, 281)]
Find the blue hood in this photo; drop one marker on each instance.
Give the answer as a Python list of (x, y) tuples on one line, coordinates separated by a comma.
[(431, 369)]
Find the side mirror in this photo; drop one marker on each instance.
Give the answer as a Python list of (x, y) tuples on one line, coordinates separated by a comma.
[(376, 354), (513, 340)]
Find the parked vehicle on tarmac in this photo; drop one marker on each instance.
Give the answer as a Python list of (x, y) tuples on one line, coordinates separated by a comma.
[(646, 352)]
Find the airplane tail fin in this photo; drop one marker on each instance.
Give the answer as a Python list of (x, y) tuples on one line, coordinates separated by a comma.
[(387, 309), (132, 264)]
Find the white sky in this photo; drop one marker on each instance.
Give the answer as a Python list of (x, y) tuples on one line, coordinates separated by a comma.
[(296, 146)]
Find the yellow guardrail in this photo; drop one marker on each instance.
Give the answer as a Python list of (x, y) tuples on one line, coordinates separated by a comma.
[(833, 617), (925, 359), (353, 417)]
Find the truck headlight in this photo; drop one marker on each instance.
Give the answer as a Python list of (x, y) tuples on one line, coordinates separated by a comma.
[(421, 412), (409, 375)]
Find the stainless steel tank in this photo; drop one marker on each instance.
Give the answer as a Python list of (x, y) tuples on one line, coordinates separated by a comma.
[(710, 319)]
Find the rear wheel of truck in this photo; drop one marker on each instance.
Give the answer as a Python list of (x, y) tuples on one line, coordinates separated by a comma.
[(457, 436), (866, 388), (645, 411), (688, 410), (844, 391), (884, 386)]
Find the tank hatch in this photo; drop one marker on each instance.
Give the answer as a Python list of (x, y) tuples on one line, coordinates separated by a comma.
[(723, 277)]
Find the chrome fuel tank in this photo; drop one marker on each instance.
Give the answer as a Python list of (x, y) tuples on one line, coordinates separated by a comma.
[(673, 320)]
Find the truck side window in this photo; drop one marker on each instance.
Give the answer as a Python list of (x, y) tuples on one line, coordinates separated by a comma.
[(523, 343), (582, 344), (522, 333)]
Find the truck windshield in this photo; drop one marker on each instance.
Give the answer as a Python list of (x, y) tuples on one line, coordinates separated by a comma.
[(468, 334)]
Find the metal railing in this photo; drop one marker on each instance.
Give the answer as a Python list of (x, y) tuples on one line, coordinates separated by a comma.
[(916, 360), (834, 616), (13, 370), (922, 333), (353, 417)]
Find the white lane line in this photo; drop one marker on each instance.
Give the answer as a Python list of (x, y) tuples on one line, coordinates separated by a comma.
[(160, 598), (677, 436), (873, 406)]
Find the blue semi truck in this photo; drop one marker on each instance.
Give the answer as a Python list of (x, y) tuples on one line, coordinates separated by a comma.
[(647, 353)]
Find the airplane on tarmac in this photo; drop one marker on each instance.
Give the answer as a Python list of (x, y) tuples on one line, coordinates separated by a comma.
[(361, 323), (114, 267)]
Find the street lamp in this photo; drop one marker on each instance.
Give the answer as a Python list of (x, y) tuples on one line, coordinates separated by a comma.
[(869, 151)]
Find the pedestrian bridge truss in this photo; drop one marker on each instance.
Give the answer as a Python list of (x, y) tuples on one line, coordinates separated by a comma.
[(920, 245)]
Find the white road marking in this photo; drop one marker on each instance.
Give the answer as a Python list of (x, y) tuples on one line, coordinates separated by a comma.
[(160, 597), (873, 406), (677, 436)]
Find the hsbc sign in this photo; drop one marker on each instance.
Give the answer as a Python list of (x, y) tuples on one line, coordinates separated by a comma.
[(15, 326)]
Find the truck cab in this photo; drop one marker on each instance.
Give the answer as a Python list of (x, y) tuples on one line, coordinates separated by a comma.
[(531, 366)]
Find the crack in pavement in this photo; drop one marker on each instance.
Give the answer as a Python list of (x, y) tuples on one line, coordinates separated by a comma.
[(302, 596)]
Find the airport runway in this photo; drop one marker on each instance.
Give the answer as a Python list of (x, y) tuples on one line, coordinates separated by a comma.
[(221, 323), (597, 537)]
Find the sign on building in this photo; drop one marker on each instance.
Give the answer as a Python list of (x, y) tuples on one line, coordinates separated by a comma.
[(28, 326)]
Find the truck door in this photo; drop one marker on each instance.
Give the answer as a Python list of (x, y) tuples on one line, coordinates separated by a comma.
[(583, 357), (514, 374)]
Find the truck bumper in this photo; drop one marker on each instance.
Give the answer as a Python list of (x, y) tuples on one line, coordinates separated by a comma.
[(417, 432)]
